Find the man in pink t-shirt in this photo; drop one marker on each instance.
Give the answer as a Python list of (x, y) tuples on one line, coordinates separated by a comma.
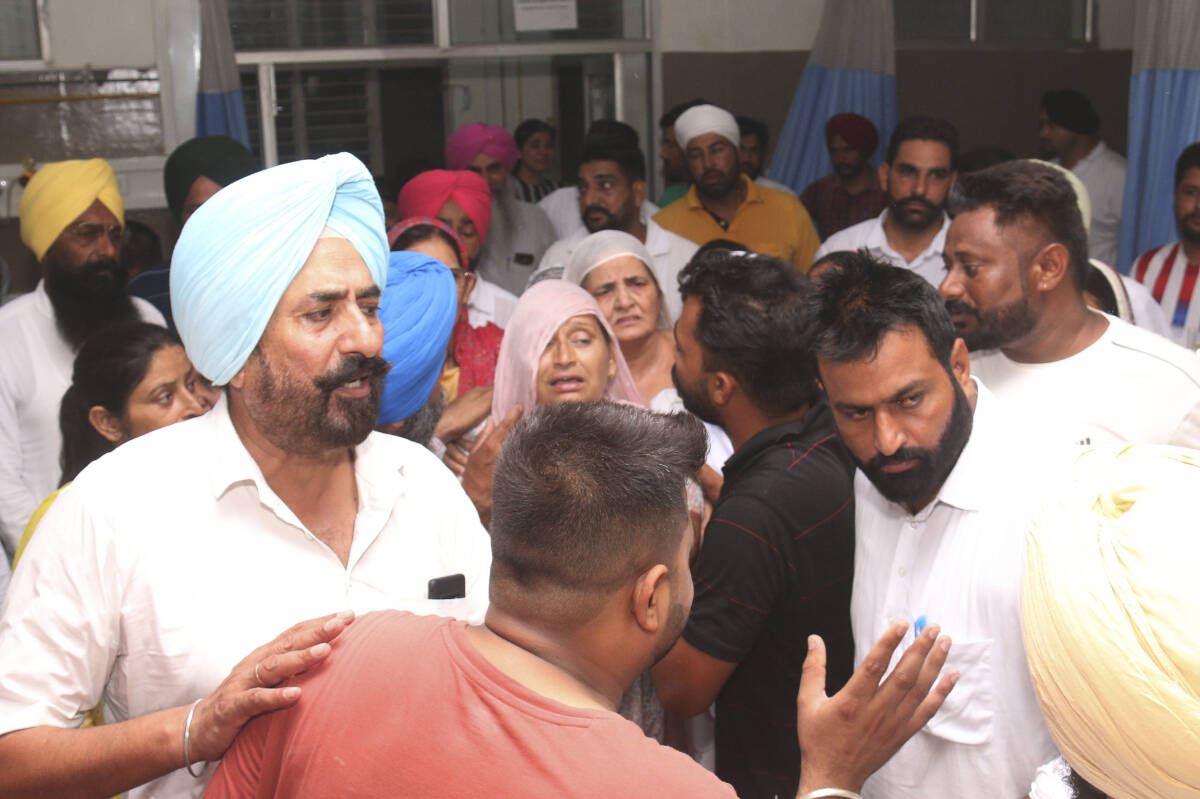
[(590, 586)]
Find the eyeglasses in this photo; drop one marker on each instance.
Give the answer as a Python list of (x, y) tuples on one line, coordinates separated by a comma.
[(86, 233)]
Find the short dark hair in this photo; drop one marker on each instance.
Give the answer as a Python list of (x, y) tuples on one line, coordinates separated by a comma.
[(927, 128), (630, 161), (1188, 159), (751, 323), (838, 258), (982, 158), (586, 496), (721, 244), (852, 307), (530, 127), (109, 366), (424, 232), (611, 133), (749, 126), (1032, 192), (672, 114)]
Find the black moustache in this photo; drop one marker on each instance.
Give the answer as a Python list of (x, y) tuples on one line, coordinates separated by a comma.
[(352, 368), (960, 308)]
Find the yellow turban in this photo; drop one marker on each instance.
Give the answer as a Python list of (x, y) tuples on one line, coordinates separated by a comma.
[(58, 193), (1111, 611)]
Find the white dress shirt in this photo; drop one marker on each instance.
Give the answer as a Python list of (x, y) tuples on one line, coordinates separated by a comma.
[(958, 563), (871, 236), (669, 251), (170, 559), (1130, 385), (1102, 172), (490, 303), (562, 206), (35, 371)]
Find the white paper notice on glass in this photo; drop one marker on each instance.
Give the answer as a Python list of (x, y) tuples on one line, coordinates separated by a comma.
[(545, 15)]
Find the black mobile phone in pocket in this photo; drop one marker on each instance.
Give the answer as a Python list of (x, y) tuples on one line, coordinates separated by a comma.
[(452, 586)]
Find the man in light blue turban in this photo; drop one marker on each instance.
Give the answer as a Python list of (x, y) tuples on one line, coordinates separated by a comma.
[(418, 314), (280, 504)]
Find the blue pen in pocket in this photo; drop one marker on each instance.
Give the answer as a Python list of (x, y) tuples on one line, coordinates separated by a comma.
[(919, 626)]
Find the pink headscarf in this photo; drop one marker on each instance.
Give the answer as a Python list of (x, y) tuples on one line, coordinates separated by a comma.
[(471, 140), (425, 195), (540, 312)]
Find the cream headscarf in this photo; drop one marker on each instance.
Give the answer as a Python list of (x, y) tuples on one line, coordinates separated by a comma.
[(605, 245), (1111, 611)]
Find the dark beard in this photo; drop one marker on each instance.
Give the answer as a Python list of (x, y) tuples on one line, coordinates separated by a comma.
[(696, 402), (611, 220), (87, 298), (1188, 234), (720, 190), (911, 219), (998, 327), (308, 419), (933, 466)]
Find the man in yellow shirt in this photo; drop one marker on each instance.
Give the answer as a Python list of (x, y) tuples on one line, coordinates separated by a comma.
[(724, 204)]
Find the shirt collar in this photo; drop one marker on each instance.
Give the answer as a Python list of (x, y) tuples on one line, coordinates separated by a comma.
[(877, 239), (970, 484), (815, 424)]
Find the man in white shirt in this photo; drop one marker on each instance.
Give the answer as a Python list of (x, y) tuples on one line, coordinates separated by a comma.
[(612, 190), (944, 492), (163, 564), (1169, 272), (1067, 132), (1016, 260), (752, 153), (71, 218), (918, 175)]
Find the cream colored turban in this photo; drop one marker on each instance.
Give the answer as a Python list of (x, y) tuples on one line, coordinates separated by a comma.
[(701, 119), (1111, 611), (58, 193), (1081, 193)]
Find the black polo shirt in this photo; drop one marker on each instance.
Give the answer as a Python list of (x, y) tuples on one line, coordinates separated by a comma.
[(776, 566)]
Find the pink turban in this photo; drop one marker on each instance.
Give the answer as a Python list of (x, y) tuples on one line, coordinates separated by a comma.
[(425, 195), (855, 130), (471, 140)]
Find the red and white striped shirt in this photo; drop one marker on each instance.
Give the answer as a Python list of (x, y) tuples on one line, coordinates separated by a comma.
[(1165, 271)]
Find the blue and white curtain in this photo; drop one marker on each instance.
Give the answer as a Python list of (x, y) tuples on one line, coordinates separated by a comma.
[(1164, 117), (852, 68), (219, 107)]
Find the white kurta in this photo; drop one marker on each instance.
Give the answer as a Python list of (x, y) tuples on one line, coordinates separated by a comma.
[(1130, 385), (35, 371), (958, 563), (871, 236), (562, 206), (1102, 172), (169, 559)]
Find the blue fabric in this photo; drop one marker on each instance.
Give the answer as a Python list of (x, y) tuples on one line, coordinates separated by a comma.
[(154, 286), (802, 156), (418, 310), (222, 114), (1164, 117), (240, 250)]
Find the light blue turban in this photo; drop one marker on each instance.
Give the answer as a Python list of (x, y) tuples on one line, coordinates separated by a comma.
[(240, 250), (418, 310)]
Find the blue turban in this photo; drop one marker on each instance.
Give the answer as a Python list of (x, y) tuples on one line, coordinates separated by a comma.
[(241, 250), (418, 310)]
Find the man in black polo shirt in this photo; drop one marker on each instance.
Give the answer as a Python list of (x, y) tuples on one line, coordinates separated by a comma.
[(778, 553)]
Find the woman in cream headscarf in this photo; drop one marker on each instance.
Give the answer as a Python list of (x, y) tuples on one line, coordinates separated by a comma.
[(1111, 608)]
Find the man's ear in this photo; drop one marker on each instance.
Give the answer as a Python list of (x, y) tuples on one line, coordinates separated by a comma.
[(721, 387), (651, 598), (960, 365), (639, 192), (107, 425), (1049, 267)]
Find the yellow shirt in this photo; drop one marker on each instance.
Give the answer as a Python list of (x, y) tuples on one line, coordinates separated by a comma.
[(770, 221), (449, 382)]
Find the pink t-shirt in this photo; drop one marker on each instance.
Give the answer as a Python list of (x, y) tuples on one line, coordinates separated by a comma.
[(405, 706)]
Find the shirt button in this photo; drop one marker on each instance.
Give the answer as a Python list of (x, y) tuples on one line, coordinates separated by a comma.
[(903, 571)]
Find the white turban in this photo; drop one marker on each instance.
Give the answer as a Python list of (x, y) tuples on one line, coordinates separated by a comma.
[(1111, 613), (701, 119), (241, 250), (605, 245)]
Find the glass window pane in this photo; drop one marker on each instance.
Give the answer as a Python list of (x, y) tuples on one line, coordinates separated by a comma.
[(19, 30), (492, 21), (1034, 20), (290, 24), (320, 111), (932, 20), (112, 113)]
